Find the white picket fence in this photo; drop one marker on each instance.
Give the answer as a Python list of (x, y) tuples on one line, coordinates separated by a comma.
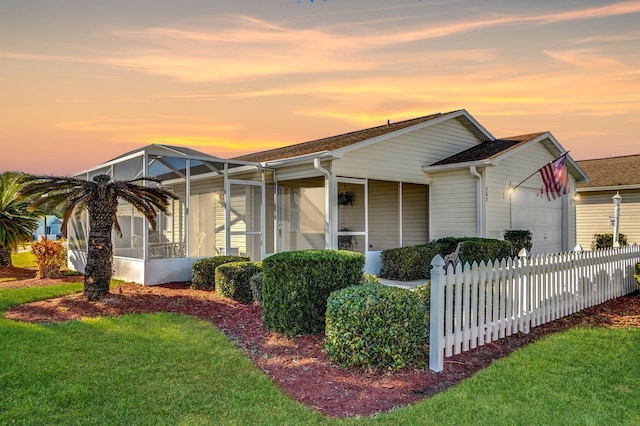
[(476, 304)]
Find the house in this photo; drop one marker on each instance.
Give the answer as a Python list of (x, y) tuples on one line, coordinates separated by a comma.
[(594, 204), (394, 185), (49, 226)]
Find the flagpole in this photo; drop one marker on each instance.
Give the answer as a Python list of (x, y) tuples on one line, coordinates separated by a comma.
[(513, 188)]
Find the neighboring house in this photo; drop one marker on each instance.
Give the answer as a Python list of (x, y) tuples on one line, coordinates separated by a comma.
[(49, 226), (394, 185), (594, 210)]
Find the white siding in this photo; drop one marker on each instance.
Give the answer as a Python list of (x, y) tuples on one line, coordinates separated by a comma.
[(401, 158), (510, 172), (453, 204), (593, 210)]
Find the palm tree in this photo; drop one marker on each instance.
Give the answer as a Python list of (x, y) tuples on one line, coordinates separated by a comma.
[(100, 197), (17, 222)]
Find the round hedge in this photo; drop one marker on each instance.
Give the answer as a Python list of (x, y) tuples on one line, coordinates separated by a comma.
[(376, 326)]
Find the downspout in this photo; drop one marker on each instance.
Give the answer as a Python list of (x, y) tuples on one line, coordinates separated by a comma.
[(327, 202), (479, 201)]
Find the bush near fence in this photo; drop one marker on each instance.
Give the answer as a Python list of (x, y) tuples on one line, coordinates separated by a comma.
[(296, 286), (414, 263), (204, 271), (233, 280), (376, 326), (603, 241), (519, 238)]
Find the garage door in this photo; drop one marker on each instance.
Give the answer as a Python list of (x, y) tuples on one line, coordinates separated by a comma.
[(540, 216)]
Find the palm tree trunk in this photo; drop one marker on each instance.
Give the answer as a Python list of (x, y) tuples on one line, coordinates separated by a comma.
[(97, 273), (5, 256)]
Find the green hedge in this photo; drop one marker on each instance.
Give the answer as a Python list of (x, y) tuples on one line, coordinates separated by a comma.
[(204, 271), (479, 249), (233, 280), (637, 274), (376, 326), (408, 263), (603, 241), (296, 286), (414, 263)]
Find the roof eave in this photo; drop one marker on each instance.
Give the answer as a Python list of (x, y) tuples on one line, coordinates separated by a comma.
[(457, 166), (608, 188), (324, 155)]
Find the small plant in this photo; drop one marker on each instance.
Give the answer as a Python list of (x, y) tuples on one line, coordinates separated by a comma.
[(256, 287), (637, 274), (603, 241), (519, 238), (51, 256), (375, 326), (370, 279)]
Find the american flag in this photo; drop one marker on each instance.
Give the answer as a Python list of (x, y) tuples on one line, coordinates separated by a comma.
[(555, 178)]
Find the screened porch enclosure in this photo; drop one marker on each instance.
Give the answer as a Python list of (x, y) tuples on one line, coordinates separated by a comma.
[(220, 209), (369, 216)]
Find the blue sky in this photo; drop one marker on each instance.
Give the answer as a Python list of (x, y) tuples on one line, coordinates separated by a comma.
[(84, 81)]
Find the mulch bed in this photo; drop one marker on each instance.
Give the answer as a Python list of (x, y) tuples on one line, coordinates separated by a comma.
[(299, 366)]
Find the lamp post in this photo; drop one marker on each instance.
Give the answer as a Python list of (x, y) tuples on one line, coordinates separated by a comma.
[(617, 199)]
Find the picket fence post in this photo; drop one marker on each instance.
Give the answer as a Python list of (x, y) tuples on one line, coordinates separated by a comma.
[(436, 326)]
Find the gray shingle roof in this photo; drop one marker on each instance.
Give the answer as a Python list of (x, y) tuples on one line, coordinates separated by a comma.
[(488, 150)]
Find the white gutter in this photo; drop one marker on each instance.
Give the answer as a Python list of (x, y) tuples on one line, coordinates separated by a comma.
[(608, 188), (457, 166), (328, 196), (330, 155), (479, 201)]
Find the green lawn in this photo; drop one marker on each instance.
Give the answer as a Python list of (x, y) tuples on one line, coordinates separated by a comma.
[(23, 259), (171, 369)]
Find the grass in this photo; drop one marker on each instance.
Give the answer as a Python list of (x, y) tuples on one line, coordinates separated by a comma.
[(171, 369), (23, 259)]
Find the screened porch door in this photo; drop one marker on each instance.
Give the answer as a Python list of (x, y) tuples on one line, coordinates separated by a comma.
[(352, 215), (245, 217)]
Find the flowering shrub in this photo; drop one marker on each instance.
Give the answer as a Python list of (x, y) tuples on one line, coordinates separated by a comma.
[(51, 256)]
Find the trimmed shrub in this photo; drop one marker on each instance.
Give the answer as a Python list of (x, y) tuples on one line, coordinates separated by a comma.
[(408, 263), (603, 241), (232, 280), (519, 238), (637, 274), (375, 326), (296, 286), (449, 244), (203, 271), (479, 249)]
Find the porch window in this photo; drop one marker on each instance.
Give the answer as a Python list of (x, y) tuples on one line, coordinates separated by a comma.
[(301, 214)]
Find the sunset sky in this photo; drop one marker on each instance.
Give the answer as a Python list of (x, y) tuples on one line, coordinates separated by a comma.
[(86, 80)]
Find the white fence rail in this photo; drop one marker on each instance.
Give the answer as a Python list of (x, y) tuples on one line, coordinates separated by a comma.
[(476, 304)]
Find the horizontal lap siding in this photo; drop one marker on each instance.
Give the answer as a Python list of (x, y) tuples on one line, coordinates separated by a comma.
[(594, 210), (401, 158), (453, 204)]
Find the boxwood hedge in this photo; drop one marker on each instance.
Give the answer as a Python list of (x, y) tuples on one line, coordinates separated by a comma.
[(233, 280), (296, 286), (203, 271), (376, 326)]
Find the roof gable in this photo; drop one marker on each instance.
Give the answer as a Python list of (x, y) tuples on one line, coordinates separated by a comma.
[(353, 140), (611, 172), (488, 150)]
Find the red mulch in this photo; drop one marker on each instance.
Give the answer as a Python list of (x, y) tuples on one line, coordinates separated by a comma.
[(299, 366)]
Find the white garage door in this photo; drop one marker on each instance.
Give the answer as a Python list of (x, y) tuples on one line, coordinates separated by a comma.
[(540, 216)]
